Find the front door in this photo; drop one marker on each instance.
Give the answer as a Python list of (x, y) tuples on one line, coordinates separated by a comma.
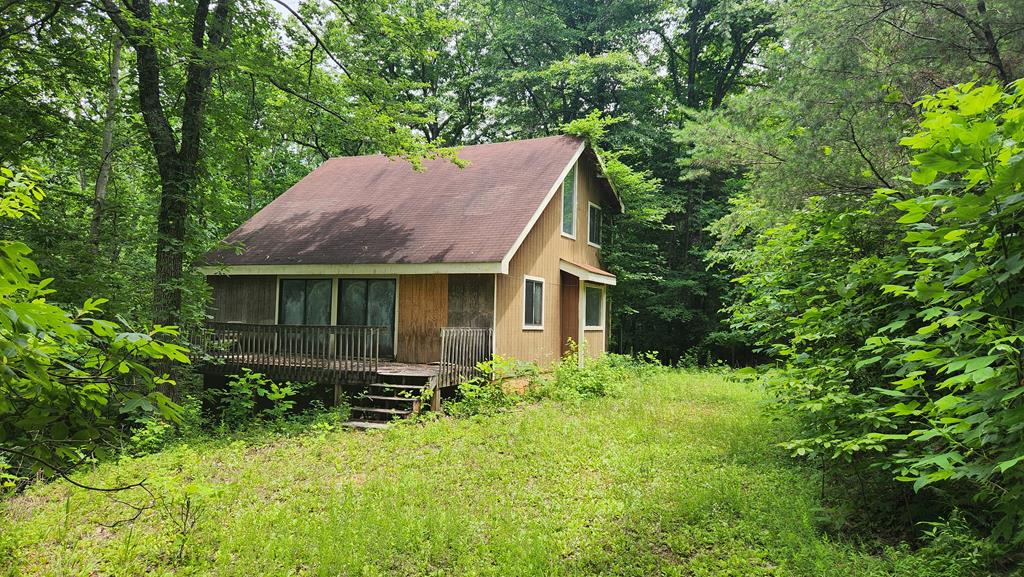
[(369, 302), (569, 315)]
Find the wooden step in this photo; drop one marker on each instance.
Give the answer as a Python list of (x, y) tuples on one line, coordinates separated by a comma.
[(365, 424), (386, 398), (381, 411), (401, 387)]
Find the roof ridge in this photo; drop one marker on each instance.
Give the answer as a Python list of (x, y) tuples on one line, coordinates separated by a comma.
[(465, 146)]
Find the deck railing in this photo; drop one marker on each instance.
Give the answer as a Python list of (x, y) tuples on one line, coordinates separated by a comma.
[(323, 353), (461, 349)]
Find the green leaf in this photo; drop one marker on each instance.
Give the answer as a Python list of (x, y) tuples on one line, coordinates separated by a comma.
[(1004, 465), (979, 100)]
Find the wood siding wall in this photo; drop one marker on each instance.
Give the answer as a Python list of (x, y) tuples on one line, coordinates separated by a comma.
[(471, 300), (244, 299), (539, 256), (422, 311)]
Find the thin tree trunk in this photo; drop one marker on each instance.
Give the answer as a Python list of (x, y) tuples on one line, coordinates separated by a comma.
[(984, 34), (107, 143), (692, 54)]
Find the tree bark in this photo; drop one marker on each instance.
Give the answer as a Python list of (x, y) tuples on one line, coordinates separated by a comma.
[(983, 32), (177, 161), (107, 142)]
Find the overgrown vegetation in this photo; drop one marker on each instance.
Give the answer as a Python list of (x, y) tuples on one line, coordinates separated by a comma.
[(677, 474), (900, 323), (68, 379), (237, 404), (504, 382)]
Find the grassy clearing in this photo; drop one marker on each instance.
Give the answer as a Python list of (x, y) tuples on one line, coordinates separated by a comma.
[(676, 476)]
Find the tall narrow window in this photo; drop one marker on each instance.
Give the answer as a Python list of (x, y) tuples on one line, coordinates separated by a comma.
[(569, 203), (594, 225), (533, 303), (594, 307)]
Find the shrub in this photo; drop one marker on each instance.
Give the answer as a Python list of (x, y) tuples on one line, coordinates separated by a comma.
[(149, 436), (569, 380), (594, 377), (899, 323), (487, 393), (239, 403)]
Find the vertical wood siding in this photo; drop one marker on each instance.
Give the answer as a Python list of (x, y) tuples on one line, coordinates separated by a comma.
[(422, 311), (243, 298), (538, 257), (595, 344), (471, 300)]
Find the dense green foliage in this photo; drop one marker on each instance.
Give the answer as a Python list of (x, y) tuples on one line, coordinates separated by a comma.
[(677, 475), (505, 383), (69, 380), (901, 323), (835, 278)]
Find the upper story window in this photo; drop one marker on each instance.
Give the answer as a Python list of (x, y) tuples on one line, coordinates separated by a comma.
[(533, 303), (569, 204), (594, 225)]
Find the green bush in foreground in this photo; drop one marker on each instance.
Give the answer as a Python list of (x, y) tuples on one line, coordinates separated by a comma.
[(69, 381), (899, 323)]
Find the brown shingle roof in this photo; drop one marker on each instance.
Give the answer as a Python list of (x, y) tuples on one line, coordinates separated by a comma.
[(371, 209)]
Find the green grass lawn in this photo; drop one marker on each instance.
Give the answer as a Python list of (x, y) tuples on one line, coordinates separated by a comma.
[(678, 475)]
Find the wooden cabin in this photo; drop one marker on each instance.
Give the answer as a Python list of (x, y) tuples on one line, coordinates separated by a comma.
[(366, 265)]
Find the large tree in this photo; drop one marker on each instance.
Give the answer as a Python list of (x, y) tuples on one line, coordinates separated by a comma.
[(177, 155)]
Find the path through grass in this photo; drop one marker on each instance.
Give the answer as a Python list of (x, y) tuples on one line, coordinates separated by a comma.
[(677, 476)]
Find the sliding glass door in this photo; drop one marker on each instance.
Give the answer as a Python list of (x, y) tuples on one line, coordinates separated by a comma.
[(304, 302), (369, 302)]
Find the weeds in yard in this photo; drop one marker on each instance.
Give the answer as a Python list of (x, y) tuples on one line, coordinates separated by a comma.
[(569, 380), (487, 393), (678, 473), (183, 512), (238, 404)]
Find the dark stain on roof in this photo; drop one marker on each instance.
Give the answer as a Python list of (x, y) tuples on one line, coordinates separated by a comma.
[(377, 210)]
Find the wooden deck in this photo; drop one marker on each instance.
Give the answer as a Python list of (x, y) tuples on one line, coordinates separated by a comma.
[(296, 368), (393, 369), (345, 359)]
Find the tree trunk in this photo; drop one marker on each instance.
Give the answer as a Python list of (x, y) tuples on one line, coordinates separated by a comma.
[(170, 244), (692, 54), (177, 159), (107, 143)]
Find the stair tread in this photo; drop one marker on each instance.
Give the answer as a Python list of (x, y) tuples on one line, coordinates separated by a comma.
[(386, 398), (365, 424), (392, 386), (381, 410)]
